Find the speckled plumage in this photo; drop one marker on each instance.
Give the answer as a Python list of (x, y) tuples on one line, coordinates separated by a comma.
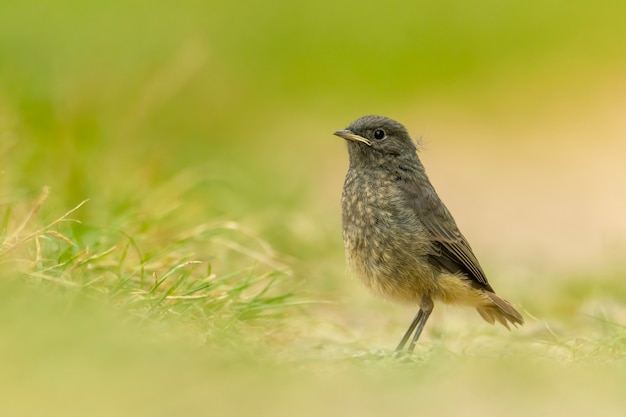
[(400, 239)]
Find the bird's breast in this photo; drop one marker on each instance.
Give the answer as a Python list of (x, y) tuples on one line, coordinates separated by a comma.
[(384, 240)]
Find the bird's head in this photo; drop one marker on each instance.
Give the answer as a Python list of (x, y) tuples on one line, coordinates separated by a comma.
[(377, 138)]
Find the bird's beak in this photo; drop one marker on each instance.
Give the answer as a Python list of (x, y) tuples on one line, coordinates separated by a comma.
[(349, 135)]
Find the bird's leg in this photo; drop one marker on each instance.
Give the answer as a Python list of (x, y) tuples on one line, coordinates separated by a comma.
[(417, 325), (409, 331), (426, 309)]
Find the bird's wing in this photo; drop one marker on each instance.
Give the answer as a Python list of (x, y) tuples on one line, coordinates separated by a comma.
[(450, 248)]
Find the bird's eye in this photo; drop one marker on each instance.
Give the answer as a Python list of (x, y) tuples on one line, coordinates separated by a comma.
[(379, 134)]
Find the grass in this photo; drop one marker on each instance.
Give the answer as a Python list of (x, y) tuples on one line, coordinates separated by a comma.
[(169, 217), (159, 319), (146, 275)]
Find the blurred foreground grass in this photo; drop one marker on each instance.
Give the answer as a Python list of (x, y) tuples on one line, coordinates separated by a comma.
[(170, 238)]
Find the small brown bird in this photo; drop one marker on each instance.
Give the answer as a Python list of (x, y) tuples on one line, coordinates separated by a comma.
[(399, 237)]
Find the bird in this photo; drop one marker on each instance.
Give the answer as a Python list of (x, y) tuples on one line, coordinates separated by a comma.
[(399, 237)]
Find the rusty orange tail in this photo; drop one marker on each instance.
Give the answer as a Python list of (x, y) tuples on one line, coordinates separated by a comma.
[(499, 310)]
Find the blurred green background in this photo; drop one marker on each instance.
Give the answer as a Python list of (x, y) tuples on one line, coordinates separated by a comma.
[(202, 131)]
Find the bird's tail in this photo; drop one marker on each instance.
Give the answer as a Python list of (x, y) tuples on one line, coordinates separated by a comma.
[(499, 310)]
